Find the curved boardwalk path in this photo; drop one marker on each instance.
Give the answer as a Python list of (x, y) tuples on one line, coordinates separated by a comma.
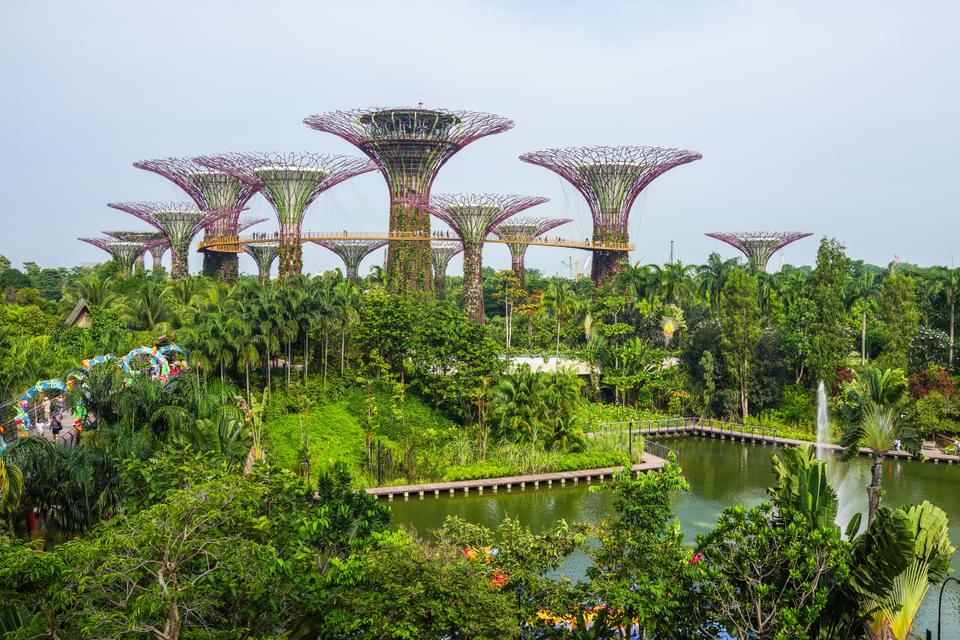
[(748, 433), (650, 463)]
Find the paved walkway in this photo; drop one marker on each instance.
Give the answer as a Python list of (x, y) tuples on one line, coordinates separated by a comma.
[(650, 462)]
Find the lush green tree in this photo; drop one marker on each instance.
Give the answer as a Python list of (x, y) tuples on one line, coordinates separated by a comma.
[(560, 301), (641, 567), (829, 339), (900, 317), (741, 326)]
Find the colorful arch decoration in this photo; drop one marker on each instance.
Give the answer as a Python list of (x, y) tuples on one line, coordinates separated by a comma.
[(157, 355)]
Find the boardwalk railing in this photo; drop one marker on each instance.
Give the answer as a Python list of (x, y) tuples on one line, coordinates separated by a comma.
[(662, 426)]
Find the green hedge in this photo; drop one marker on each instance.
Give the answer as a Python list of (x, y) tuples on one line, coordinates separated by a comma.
[(566, 462)]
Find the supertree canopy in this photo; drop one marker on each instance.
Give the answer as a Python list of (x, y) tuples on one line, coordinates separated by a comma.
[(150, 240), (157, 249), (473, 217), (759, 246), (610, 178), (263, 254), (212, 191), (352, 252), (409, 145), (124, 252), (518, 232), (289, 182), (245, 223), (179, 222), (441, 252)]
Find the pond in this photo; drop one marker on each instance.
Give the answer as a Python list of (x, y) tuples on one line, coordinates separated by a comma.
[(720, 473)]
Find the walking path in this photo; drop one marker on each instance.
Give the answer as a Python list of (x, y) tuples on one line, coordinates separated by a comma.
[(748, 433), (650, 463)]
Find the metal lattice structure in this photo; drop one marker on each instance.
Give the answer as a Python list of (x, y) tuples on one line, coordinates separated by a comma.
[(156, 250), (441, 252), (518, 232), (123, 252), (179, 222), (150, 240), (263, 255), (212, 191), (758, 246), (245, 223), (409, 146), (352, 252), (290, 182), (610, 179), (473, 216)]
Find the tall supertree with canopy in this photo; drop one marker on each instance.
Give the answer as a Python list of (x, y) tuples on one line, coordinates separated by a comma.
[(518, 232), (179, 222), (156, 250), (124, 252), (352, 252), (473, 216), (290, 182), (409, 145), (150, 240), (441, 253), (211, 190), (758, 246), (263, 253), (610, 178)]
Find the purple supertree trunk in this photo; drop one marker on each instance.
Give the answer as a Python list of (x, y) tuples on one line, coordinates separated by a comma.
[(179, 222), (211, 191), (409, 146), (758, 246), (473, 217), (610, 179), (290, 182), (518, 232)]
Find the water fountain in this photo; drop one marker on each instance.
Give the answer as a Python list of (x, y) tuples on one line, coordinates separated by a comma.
[(844, 483)]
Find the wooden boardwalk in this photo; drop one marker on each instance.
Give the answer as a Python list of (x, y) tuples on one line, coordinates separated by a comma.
[(728, 431), (650, 463)]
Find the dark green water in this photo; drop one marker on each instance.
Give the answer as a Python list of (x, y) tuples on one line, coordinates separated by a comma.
[(720, 473)]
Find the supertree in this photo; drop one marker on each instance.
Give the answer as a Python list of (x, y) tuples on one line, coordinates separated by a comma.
[(441, 251), (212, 191), (518, 232), (758, 246), (352, 252), (124, 252), (263, 254), (156, 250), (289, 182), (150, 239), (610, 178), (473, 216), (245, 223), (179, 222), (409, 145)]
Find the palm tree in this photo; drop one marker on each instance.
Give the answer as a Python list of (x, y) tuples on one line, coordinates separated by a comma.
[(351, 298), (712, 276), (637, 282), (147, 309), (520, 405), (674, 281), (877, 430), (11, 488), (947, 283), (560, 301), (864, 289), (97, 292)]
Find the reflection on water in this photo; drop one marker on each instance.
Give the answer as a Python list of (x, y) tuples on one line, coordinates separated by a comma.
[(720, 473)]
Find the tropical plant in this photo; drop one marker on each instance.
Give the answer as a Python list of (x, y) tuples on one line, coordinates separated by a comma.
[(560, 301)]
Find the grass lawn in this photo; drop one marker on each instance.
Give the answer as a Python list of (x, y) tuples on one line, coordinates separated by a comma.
[(334, 434)]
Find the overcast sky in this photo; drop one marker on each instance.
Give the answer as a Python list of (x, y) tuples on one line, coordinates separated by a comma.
[(839, 118)]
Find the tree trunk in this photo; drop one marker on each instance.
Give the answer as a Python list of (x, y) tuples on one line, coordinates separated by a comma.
[(246, 373), (863, 338), (744, 400), (343, 348), (306, 358), (950, 360), (558, 336), (222, 380), (326, 335), (873, 489), (171, 629), (288, 362)]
